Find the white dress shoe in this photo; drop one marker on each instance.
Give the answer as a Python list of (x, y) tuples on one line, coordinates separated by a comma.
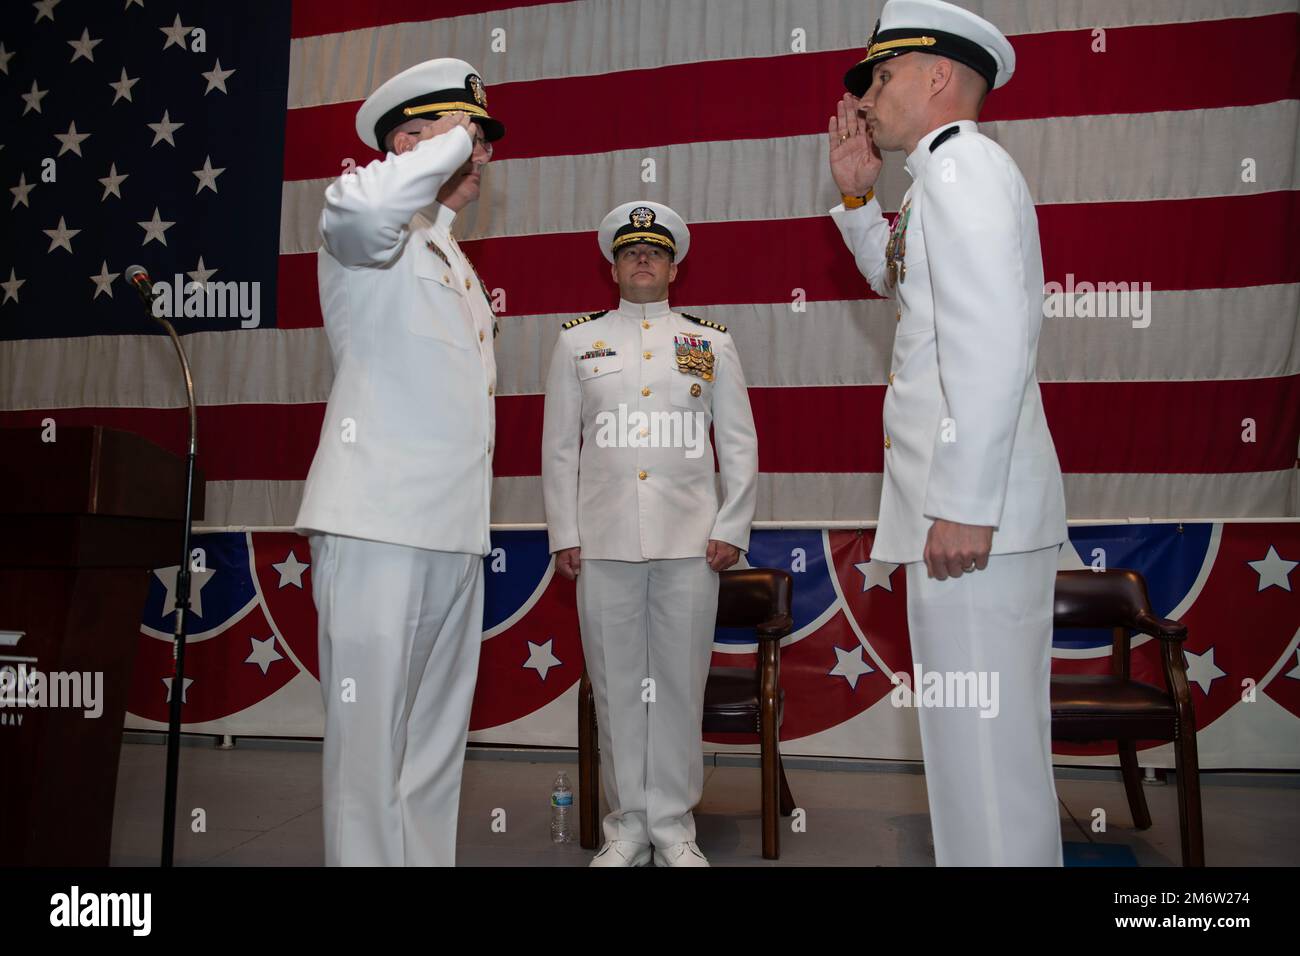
[(681, 854), (622, 853)]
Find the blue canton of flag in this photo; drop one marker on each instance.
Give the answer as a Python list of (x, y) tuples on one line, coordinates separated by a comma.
[(140, 131)]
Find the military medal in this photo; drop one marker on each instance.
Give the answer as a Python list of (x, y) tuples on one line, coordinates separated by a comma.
[(694, 356), (432, 247), (896, 248)]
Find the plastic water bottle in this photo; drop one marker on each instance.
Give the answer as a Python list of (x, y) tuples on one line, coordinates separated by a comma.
[(561, 808)]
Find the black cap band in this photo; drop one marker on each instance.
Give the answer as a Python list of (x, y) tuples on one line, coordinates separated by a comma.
[(434, 105), (886, 44), (655, 234)]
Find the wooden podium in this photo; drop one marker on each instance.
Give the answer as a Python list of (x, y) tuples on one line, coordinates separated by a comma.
[(83, 521)]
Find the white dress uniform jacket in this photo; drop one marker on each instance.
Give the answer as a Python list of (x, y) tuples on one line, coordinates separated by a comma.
[(638, 503), (965, 435), (405, 454)]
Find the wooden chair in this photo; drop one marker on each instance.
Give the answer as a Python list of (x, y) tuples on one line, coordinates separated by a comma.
[(1115, 707), (737, 700)]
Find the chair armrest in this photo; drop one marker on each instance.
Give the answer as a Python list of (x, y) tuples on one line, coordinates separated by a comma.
[(775, 628), (1160, 627)]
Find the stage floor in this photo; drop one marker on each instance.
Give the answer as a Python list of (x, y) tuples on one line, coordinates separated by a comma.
[(262, 806)]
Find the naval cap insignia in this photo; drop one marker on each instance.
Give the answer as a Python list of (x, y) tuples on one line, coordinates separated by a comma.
[(642, 217), (871, 41), (476, 89)]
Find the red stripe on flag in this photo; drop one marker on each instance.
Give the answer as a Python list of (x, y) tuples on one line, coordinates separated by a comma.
[(800, 430), (235, 442), (316, 17), (1144, 70), (1221, 242), (1178, 244), (333, 128), (1166, 427), (297, 293), (838, 428)]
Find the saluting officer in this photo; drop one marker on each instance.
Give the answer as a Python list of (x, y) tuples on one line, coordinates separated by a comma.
[(633, 513), (396, 501), (972, 499)]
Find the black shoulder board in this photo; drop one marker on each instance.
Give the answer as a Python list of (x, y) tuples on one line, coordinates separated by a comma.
[(708, 323), (943, 137), (583, 318)]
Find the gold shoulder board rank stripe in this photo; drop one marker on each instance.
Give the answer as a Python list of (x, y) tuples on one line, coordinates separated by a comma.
[(709, 323), (893, 44), (435, 107)]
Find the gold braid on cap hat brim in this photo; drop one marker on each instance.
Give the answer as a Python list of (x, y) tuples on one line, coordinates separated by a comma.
[(879, 48), (446, 108), (652, 237)]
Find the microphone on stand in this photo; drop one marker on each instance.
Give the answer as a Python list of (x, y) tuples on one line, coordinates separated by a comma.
[(138, 278)]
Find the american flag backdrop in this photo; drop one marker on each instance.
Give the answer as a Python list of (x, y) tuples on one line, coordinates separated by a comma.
[(1159, 138)]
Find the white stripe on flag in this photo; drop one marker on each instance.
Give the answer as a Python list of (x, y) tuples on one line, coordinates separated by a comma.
[(831, 343), (848, 496), (1186, 154)]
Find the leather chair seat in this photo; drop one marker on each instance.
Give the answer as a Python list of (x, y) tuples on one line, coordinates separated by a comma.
[(731, 701), (1103, 707)]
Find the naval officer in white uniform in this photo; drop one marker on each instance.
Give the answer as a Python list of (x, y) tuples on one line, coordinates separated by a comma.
[(972, 500), (396, 501), (633, 513)]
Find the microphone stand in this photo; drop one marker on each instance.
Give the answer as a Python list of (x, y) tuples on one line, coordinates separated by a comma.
[(182, 608), (182, 597)]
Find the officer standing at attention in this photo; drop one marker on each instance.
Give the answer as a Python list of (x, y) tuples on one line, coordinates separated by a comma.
[(396, 501), (972, 500), (633, 514)]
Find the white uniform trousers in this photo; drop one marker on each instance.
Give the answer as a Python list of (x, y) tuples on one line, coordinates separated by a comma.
[(403, 627), (650, 619), (991, 791)]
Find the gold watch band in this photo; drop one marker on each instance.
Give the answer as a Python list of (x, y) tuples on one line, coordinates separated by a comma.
[(857, 202)]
